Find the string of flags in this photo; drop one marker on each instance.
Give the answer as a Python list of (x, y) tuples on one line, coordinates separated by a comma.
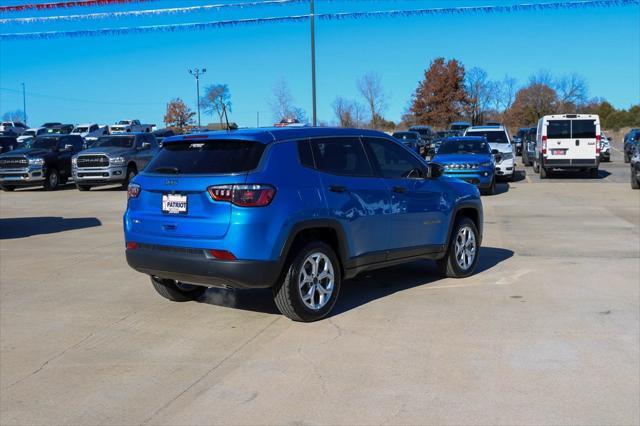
[(201, 26)]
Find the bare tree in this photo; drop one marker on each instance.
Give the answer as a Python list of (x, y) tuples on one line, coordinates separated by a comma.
[(17, 115), (343, 109), (216, 100), (282, 103), (542, 77), (508, 90), (370, 87), (359, 114), (572, 90), (480, 92)]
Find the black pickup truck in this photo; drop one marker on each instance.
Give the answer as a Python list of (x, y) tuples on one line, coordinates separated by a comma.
[(46, 162)]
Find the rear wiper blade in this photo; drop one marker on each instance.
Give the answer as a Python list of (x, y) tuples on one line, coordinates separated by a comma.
[(167, 169)]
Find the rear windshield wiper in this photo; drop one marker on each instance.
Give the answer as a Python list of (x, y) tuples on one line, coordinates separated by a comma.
[(167, 169)]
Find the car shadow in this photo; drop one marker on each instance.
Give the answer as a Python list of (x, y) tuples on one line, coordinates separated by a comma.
[(358, 291), (65, 187), (502, 188), (22, 227), (574, 174)]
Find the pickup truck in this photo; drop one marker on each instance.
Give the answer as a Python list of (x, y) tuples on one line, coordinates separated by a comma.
[(90, 131), (130, 126), (46, 162), (113, 159)]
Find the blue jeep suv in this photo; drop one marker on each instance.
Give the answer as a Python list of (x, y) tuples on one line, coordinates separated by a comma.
[(468, 158), (296, 210)]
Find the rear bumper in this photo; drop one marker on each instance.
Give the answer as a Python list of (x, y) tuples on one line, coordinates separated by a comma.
[(195, 267), (571, 163)]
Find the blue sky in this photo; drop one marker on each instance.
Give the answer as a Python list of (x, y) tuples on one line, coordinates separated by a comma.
[(103, 79)]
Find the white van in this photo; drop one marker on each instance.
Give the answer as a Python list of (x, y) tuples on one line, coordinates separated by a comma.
[(568, 141)]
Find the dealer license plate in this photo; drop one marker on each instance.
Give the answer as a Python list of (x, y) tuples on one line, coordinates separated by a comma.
[(174, 204)]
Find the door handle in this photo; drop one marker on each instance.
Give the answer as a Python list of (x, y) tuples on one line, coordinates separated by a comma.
[(337, 188), (577, 143), (399, 189)]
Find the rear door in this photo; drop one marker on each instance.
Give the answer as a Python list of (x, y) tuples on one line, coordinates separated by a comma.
[(583, 136), (559, 142), (355, 197), (174, 201)]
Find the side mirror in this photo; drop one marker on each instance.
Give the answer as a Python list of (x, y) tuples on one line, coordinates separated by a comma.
[(435, 170), (68, 147), (145, 145)]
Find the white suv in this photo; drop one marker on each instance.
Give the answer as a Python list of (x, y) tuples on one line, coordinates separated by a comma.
[(501, 147), (13, 126), (568, 141)]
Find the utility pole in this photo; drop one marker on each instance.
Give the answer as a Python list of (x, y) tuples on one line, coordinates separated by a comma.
[(197, 73), (313, 62), (24, 103)]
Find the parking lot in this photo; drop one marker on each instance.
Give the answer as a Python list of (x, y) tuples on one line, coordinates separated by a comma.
[(547, 331)]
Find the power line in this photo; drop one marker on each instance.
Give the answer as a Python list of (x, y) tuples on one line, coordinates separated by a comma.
[(524, 7)]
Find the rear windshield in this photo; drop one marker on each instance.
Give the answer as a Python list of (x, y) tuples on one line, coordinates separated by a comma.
[(492, 136), (583, 129), (80, 130), (459, 126), (569, 129), (464, 147), (207, 157)]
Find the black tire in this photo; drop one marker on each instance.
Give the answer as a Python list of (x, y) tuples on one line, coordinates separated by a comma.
[(449, 266), (175, 291), (635, 184), (512, 178), (8, 188), (52, 180), (83, 187), (593, 173), (131, 173), (491, 190), (288, 293), (536, 167)]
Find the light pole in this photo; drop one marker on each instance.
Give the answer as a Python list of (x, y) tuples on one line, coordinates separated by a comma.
[(24, 104), (197, 73), (313, 62)]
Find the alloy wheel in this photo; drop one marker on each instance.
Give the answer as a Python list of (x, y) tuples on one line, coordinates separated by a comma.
[(316, 281), (465, 248)]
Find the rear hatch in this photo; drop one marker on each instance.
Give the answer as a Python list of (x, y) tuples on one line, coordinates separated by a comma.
[(174, 201), (569, 139)]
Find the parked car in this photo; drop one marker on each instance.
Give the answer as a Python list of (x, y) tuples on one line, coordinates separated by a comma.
[(470, 159), (529, 146), (113, 159), (459, 126), (426, 133), (130, 126), (8, 143), (91, 131), (46, 162), (60, 129), (411, 140), (296, 210), (13, 126), (630, 140), (439, 137), (567, 141), (288, 122), (635, 166), (31, 133), (51, 124), (605, 148), (518, 139), (501, 148), (161, 134)]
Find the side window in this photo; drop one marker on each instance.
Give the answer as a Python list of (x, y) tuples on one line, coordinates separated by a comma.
[(139, 141), (152, 140), (393, 161), (341, 156), (93, 128), (304, 153)]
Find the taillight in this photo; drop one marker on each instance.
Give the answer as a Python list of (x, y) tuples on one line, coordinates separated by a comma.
[(257, 195), (132, 245), (544, 145), (598, 144), (133, 190)]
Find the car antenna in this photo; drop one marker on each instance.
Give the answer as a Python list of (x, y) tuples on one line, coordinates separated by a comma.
[(226, 117)]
